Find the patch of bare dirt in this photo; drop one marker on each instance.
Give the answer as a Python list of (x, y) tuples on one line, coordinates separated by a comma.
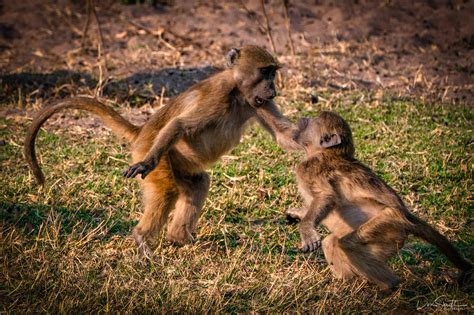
[(406, 48)]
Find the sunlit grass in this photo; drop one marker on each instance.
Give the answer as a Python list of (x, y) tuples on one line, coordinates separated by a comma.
[(66, 247)]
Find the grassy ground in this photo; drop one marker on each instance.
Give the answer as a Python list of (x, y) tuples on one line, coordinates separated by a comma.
[(66, 247)]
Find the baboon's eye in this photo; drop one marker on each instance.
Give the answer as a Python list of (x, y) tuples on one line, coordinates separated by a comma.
[(267, 71), (325, 139)]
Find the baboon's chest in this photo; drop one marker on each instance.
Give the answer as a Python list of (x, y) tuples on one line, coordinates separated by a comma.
[(217, 138), (306, 192), (220, 138)]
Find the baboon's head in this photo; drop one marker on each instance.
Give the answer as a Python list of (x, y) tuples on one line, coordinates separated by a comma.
[(328, 132), (254, 71)]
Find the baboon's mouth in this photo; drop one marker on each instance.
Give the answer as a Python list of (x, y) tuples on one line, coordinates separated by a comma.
[(259, 101)]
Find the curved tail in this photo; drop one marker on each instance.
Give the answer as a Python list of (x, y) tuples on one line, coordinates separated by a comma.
[(429, 234), (119, 125)]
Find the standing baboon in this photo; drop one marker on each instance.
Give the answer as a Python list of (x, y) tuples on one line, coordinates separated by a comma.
[(181, 140)]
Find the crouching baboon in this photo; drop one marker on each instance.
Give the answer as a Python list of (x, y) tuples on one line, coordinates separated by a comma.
[(181, 140), (367, 219)]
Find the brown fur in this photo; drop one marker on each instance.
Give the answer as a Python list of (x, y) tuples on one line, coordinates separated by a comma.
[(180, 141), (368, 221)]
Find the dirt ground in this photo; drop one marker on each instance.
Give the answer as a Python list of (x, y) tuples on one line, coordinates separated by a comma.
[(404, 48)]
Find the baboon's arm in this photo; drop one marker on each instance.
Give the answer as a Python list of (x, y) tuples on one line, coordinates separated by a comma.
[(278, 125), (168, 136), (319, 208)]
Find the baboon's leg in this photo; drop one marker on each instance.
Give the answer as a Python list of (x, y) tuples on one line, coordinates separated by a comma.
[(159, 195), (192, 194), (368, 248), (336, 258)]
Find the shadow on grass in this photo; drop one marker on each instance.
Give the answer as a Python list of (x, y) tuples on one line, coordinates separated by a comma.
[(136, 88), (29, 217), (418, 251)]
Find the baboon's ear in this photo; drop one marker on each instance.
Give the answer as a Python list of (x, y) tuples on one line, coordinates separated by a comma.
[(231, 57), (330, 140)]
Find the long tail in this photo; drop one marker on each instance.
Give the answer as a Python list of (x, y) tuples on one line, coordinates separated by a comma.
[(429, 234), (119, 125)]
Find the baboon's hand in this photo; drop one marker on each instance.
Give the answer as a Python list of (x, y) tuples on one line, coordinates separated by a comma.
[(293, 215), (310, 239), (310, 245), (291, 220), (139, 168)]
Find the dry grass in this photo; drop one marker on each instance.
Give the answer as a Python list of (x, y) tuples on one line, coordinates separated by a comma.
[(66, 247)]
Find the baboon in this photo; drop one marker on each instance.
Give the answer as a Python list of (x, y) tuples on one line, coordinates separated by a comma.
[(182, 139), (368, 221)]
